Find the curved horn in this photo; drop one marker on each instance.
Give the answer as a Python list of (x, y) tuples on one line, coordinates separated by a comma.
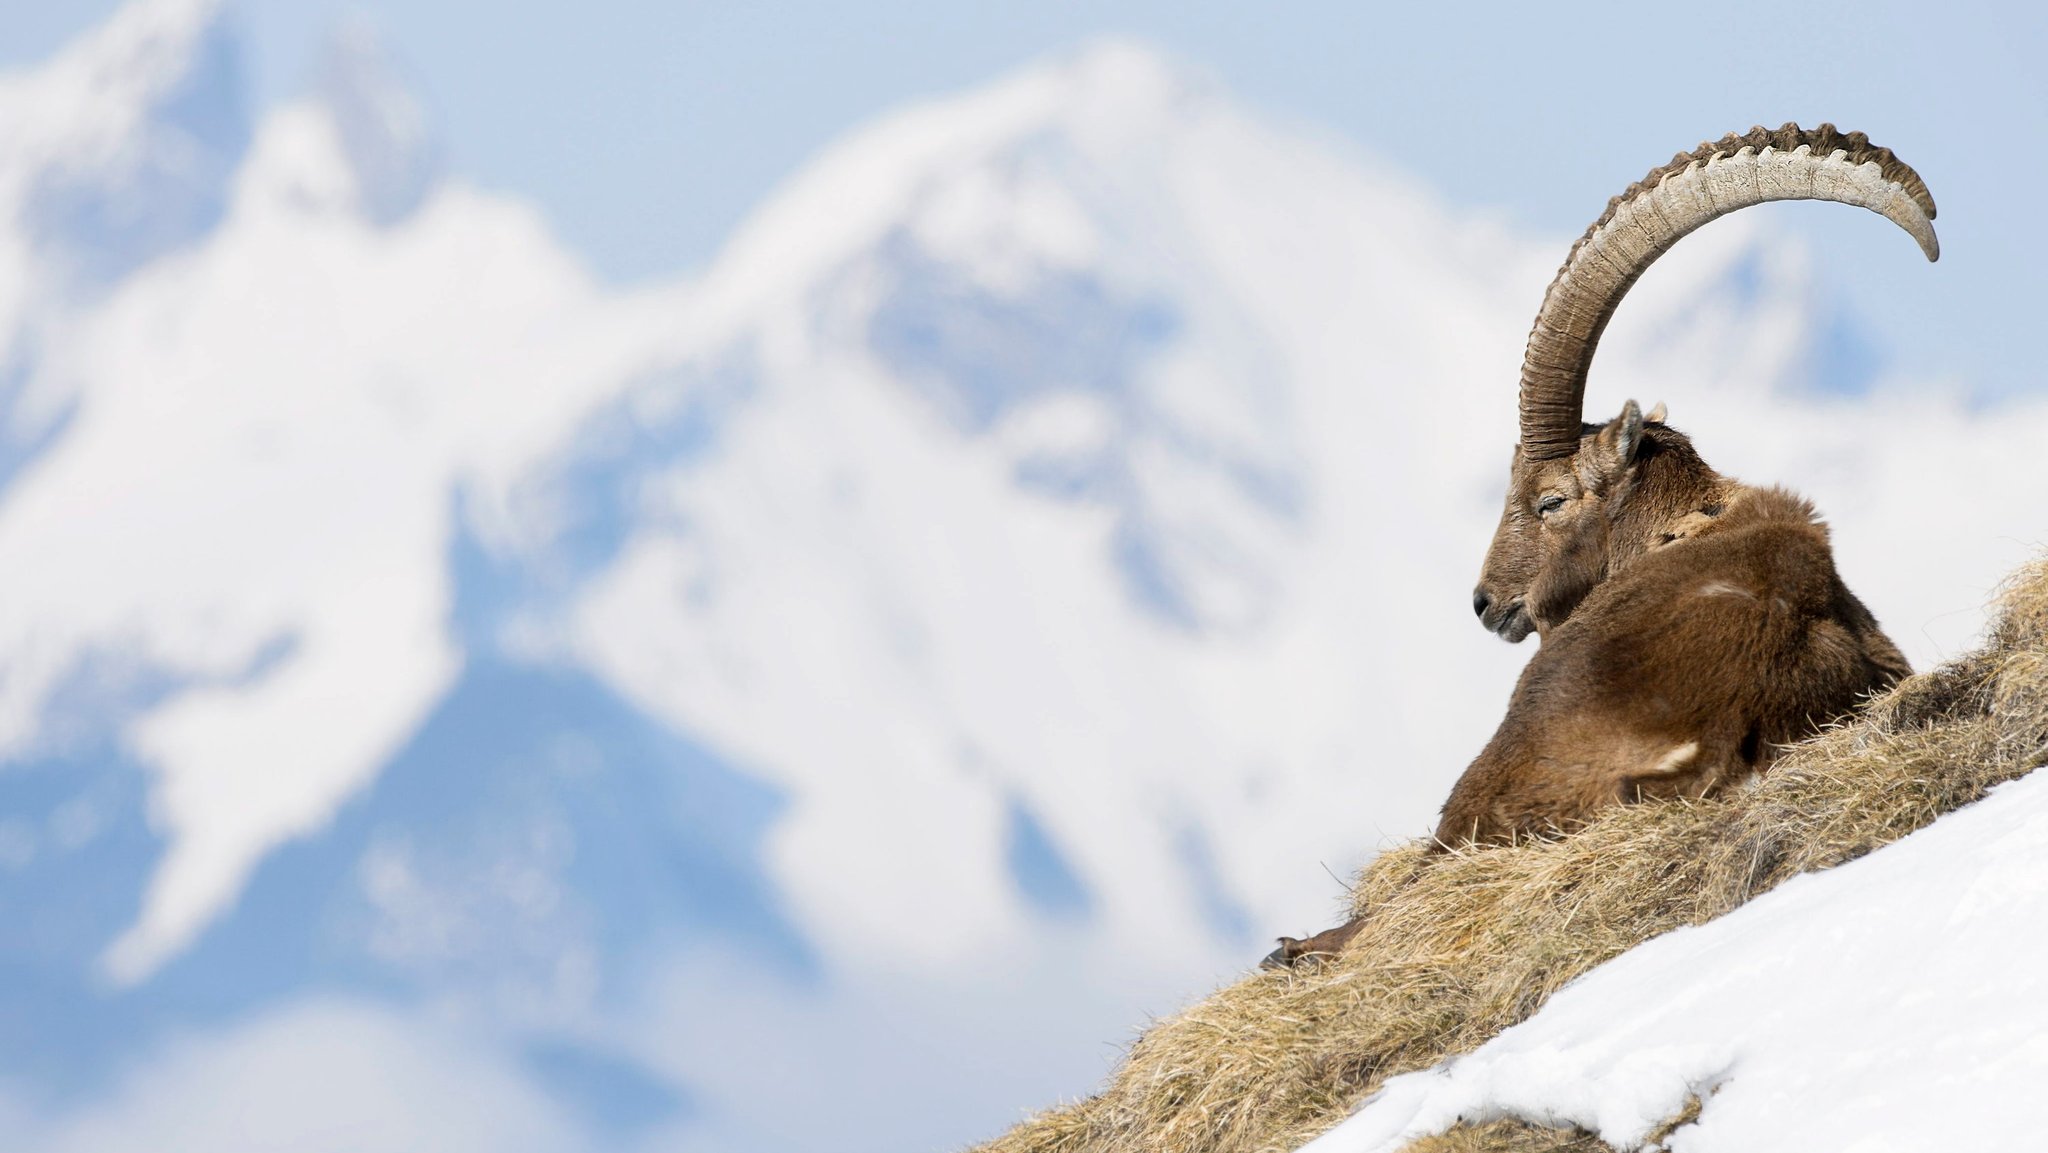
[(1642, 223)]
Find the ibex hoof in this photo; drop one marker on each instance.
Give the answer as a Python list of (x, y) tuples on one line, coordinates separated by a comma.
[(1322, 947), (1293, 951), (1284, 956)]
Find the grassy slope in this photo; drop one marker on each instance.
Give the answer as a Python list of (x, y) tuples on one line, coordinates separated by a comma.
[(1460, 950)]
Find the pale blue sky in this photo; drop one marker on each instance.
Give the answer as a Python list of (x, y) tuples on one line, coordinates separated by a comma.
[(645, 130)]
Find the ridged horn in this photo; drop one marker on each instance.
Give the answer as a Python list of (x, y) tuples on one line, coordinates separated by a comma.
[(1643, 223)]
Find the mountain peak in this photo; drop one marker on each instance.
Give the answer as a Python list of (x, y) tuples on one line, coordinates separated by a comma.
[(127, 143), (147, 43), (1130, 74), (1107, 97), (379, 120)]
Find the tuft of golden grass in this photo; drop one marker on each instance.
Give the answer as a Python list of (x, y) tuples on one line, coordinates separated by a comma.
[(1510, 1137), (1514, 1136), (1459, 947)]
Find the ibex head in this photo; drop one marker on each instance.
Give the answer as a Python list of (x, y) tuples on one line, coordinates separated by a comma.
[(1570, 521), (1583, 500)]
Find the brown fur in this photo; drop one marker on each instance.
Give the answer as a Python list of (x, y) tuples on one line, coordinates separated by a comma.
[(1733, 642), (1692, 627)]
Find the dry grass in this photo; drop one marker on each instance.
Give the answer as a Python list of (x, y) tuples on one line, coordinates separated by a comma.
[(1511, 1136), (1458, 950)]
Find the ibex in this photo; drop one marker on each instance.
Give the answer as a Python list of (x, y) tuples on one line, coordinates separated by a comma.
[(1691, 625)]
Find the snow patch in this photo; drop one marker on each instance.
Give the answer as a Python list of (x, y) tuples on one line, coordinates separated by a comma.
[(1896, 1002)]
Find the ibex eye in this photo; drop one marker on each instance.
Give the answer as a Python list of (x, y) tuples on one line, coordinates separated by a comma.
[(1550, 504)]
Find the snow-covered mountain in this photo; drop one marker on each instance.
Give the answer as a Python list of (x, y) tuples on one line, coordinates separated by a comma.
[(975, 611)]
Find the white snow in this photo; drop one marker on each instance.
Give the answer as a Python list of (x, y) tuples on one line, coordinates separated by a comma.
[(1897, 1002)]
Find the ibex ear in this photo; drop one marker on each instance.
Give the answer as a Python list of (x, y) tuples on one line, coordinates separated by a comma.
[(1614, 446)]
